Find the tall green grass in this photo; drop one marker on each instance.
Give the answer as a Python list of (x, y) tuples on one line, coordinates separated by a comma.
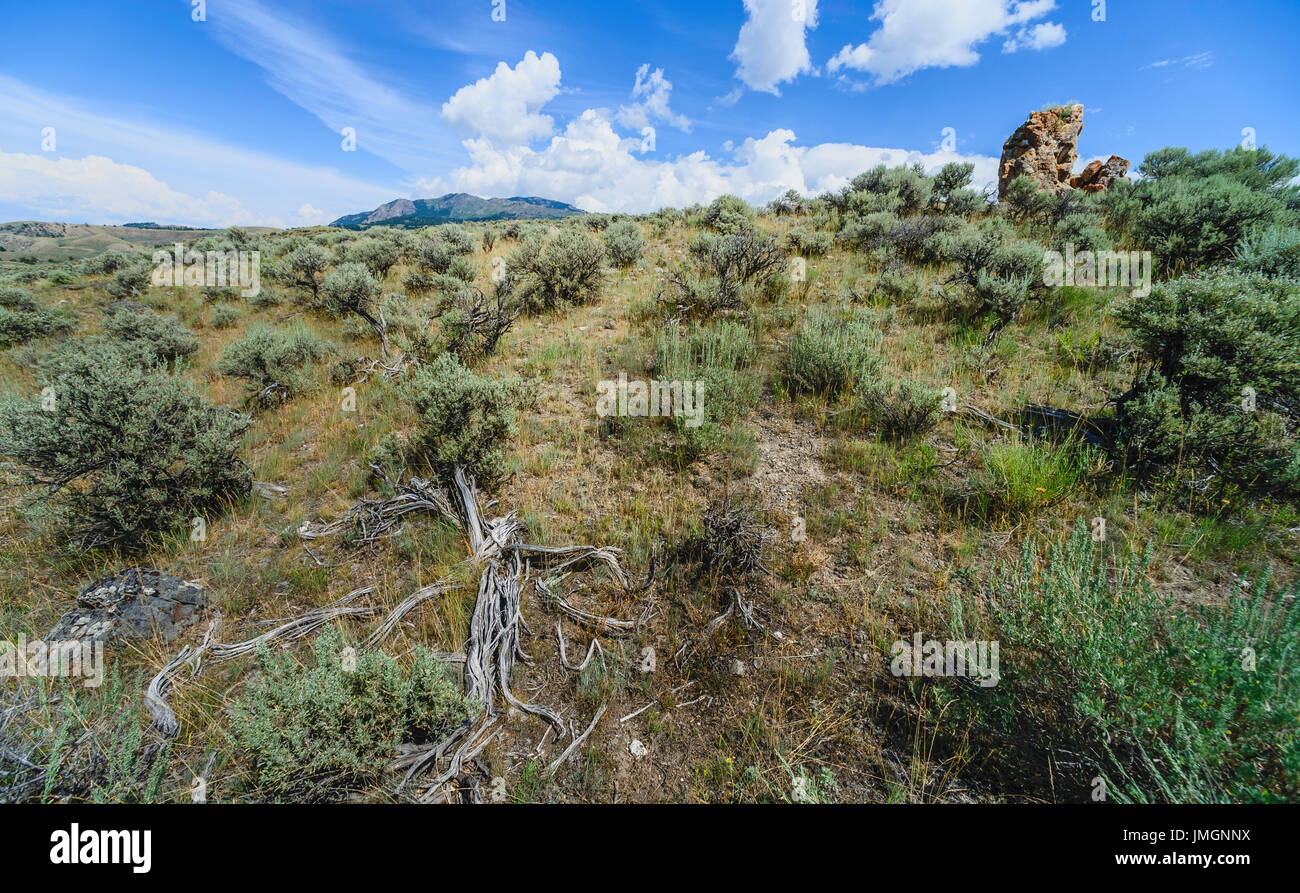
[(1166, 703)]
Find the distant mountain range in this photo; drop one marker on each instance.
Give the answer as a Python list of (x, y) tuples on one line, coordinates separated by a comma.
[(457, 207)]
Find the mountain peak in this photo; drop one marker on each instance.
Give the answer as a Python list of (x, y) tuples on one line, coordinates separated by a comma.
[(456, 207)]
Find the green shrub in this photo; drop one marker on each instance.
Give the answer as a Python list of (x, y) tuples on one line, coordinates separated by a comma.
[(225, 316), (121, 449), (130, 281), (899, 408), (965, 203), (473, 323), (464, 419), (1083, 231), (799, 240), (272, 361), (1168, 703), (157, 336), (350, 288), (952, 177), (1213, 334), (624, 243), (379, 255), (725, 265), (1270, 251), (448, 247), (903, 191), (869, 230), (327, 726), (563, 272), (102, 264), (22, 318), (1257, 169), (830, 355), (304, 266), (456, 237), (1190, 223), (917, 238), (728, 214), (992, 277)]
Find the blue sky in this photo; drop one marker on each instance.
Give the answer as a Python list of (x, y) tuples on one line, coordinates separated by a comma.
[(239, 117)]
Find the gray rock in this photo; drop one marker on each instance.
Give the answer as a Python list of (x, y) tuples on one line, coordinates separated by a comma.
[(137, 603)]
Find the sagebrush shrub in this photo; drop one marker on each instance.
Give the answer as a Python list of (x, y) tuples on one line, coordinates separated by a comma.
[(131, 280), (272, 362), (1213, 334), (225, 316), (799, 240), (22, 318), (830, 355), (899, 408), (158, 336), (438, 253), (725, 265), (304, 266), (902, 191), (728, 214), (330, 725), (1217, 392), (564, 272), (121, 449), (379, 255), (1157, 694), (868, 231), (465, 419), (1270, 251), (473, 322), (1188, 223), (992, 277), (624, 243)]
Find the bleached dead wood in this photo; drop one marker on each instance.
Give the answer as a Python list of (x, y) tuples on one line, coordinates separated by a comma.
[(507, 565), (374, 519), (160, 687)]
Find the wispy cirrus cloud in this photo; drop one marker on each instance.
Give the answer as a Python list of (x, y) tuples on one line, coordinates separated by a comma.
[(117, 167), (1196, 61), (313, 70)]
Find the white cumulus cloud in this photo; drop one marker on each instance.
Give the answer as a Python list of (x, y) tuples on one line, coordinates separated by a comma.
[(917, 34), (95, 188), (504, 107), (651, 94), (590, 165), (771, 48), (1039, 37)]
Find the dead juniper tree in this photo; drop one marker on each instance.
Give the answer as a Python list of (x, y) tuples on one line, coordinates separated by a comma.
[(465, 420)]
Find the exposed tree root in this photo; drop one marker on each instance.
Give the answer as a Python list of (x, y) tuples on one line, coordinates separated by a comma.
[(507, 566), (374, 519), (155, 697)]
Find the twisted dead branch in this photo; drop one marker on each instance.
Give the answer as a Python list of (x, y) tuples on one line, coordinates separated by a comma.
[(375, 519), (507, 566), (160, 687)]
